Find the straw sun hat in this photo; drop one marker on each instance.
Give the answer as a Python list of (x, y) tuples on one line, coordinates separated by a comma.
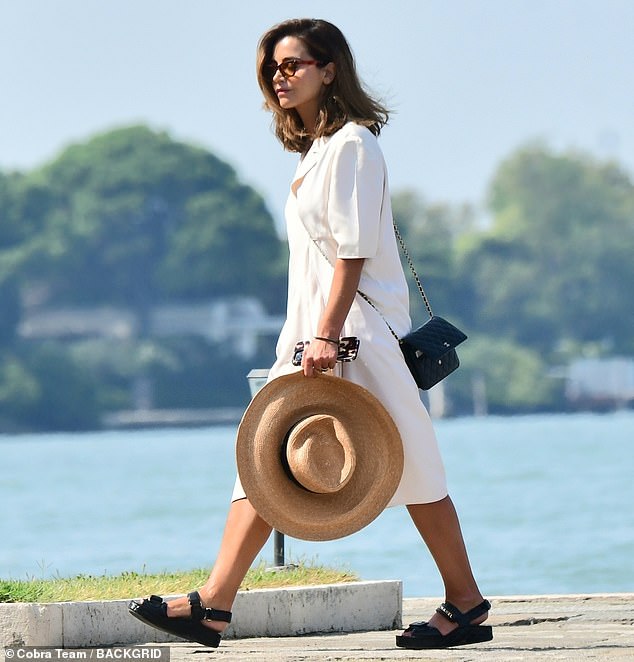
[(319, 458)]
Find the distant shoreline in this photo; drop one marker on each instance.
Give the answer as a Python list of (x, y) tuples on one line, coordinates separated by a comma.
[(131, 419)]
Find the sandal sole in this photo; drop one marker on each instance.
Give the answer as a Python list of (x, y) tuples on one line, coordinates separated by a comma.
[(180, 627), (475, 634)]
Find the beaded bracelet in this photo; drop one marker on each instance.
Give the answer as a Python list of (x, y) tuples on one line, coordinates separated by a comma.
[(332, 341)]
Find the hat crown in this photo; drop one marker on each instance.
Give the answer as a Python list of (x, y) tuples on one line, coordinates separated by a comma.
[(287, 411), (320, 454)]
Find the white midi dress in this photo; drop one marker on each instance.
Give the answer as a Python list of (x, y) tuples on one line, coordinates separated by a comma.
[(339, 207)]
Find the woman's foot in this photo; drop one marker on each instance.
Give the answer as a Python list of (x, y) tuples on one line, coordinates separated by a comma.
[(449, 626), (194, 622), (442, 623), (181, 608)]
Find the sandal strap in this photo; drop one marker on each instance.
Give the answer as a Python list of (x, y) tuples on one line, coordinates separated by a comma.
[(200, 613), (453, 614), (421, 625)]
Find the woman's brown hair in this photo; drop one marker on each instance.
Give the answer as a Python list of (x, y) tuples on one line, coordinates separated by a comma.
[(344, 100)]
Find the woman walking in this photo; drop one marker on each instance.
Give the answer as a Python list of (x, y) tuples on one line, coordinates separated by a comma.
[(341, 241)]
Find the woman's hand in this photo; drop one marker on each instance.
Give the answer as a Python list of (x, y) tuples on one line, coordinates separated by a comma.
[(319, 356)]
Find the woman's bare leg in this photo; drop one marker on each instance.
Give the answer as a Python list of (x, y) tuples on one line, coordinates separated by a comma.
[(439, 526), (243, 538)]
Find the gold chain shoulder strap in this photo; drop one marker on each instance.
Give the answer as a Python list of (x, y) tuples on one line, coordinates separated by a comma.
[(416, 278), (411, 266)]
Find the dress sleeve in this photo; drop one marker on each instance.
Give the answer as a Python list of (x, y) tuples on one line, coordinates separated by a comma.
[(355, 197)]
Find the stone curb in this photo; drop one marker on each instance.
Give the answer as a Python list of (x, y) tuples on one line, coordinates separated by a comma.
[(353, 607)]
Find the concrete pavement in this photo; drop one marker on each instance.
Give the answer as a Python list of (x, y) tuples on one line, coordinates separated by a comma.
[(535, 628)]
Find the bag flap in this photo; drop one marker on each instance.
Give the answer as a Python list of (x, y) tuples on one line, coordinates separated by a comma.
[(435, 338)]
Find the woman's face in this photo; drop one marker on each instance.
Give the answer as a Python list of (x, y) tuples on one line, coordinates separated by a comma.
[(303, 90)]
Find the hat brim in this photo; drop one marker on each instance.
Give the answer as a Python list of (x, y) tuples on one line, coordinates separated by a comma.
[(276, 497)]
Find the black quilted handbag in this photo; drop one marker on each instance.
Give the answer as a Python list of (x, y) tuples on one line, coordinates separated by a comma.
[(430, 350)]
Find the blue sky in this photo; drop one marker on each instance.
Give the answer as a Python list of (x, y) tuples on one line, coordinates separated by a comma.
[(470, 80)]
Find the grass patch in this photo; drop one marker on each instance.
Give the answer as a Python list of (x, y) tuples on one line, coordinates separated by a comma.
[(133, 584)]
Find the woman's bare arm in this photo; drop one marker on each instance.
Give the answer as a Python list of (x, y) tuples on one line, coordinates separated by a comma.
[(321, 354)]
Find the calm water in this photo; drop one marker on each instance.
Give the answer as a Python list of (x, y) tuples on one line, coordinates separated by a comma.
[(546, 504)]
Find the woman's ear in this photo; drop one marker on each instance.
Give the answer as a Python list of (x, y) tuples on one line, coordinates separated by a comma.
[(329, 73)]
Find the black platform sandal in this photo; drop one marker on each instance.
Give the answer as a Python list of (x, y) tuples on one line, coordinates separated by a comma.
[(154, 612), (422, 635)]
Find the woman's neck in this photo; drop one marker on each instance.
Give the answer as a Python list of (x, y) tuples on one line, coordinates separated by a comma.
[(308, 116)]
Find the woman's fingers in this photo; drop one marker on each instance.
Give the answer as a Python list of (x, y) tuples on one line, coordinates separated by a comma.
[(318, 357)]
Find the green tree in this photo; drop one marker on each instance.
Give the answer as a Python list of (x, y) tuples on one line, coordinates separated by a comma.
[(235, 253), (555, 262), (130, 217), (129, 220), (515, 377), (43, 388), (19, 391), (430, 232), (15, 251)]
